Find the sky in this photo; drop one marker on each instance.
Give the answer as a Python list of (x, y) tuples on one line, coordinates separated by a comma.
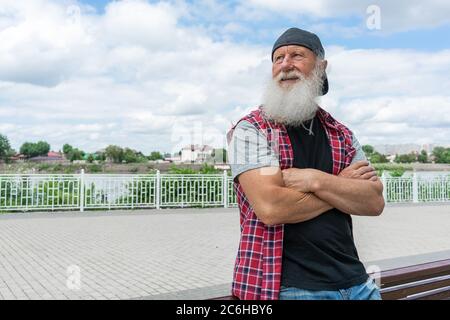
[(158, 75)]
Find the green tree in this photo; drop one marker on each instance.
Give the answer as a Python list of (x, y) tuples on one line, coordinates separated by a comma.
[(377, 157), (441, 155), (31, 149), (115, 153), (130, 156), (155, 155), (42, 148), (90, 158), (422, 157), (67, 148), (28, 149), (368, 150), (100, 156), (75, 154), (5, 148), (405, 158)]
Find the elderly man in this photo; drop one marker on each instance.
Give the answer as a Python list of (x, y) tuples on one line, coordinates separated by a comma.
[(299, 175)]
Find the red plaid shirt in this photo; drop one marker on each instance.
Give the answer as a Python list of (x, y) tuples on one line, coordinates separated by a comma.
[(257, 272)]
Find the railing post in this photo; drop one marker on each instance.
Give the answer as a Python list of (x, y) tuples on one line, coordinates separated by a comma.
[(443, 188), (415, 188), (158, 189), (82, 191), (384, 182), (132, 192), (225, 189)]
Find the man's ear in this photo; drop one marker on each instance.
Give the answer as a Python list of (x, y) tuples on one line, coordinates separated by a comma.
[(324, 64)]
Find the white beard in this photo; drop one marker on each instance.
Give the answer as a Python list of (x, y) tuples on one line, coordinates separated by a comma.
[(295, 104)]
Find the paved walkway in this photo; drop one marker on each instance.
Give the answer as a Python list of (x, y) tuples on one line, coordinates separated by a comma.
[(176, 253)]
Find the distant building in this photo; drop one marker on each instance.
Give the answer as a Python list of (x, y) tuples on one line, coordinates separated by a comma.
[(162, 161), (55, 155), (51, 157), (429, 148), (392, 149), (195, 153), (174, 159), (18, 157), (391, 158), (222, 166)]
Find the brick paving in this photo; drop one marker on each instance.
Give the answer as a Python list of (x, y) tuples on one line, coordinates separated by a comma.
[(174, 253)]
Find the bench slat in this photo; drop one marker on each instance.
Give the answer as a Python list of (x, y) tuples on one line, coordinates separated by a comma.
[(408, 289), (414, 273), (424, 281), (436, 294)]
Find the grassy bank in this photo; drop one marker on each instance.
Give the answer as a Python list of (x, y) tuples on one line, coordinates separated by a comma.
[(105, 168), (394, 169)]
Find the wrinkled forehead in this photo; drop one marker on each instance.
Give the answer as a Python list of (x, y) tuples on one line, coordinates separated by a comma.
[(293, 48)]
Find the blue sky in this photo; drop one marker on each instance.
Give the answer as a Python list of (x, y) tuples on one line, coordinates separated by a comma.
[(157, 75), (99, 5), (419, 38)]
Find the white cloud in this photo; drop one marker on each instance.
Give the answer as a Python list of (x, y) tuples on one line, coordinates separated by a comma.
[(400, 15), (391, 96), (375, 72), (137, 23), (132, 66), (41, 38), (406, 119), (135, 76)]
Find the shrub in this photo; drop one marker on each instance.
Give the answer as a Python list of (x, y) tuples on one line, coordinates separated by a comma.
[(175, 170), (43, 167), (397, 172), (206, 169), (133, 170), (95, 168)]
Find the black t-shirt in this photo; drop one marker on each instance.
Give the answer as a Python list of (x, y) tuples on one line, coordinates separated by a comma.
[(319, 254)]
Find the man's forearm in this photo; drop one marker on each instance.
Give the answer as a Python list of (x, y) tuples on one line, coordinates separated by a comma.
[(291, 206), (274, 203), (352, 196)]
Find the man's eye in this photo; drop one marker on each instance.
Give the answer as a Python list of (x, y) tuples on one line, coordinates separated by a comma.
[(279, 58)]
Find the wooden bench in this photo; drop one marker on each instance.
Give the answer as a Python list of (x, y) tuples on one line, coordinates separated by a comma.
[(428, 281)]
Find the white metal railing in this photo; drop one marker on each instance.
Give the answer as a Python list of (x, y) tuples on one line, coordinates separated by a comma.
[(416, 189), (191, 190), (97, 191), (20, 192), (118, 191)]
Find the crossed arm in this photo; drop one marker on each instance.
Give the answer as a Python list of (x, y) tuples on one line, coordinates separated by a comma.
[(296, 195)]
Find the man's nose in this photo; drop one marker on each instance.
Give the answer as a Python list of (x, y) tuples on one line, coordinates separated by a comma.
[(286, 64)]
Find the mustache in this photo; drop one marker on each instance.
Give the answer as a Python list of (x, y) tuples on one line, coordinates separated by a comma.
[(294, 74)]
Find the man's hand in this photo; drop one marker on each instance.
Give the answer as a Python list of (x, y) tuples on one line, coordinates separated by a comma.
[(304, 180), (359, 170), (301, 179)]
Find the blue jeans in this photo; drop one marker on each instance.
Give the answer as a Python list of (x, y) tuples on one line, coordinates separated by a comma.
[(366, 291)]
